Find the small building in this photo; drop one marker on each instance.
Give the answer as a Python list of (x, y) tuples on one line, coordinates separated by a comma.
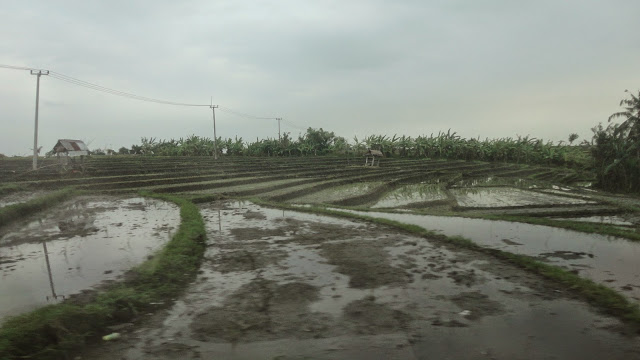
[(68, 151), (372, 157), (70, 148)]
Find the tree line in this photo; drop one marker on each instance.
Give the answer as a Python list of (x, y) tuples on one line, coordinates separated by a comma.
[(613, 154)]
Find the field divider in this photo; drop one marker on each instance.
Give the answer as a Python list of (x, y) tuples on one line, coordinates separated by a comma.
[(52, 331), (10, 188), (14, 212), (601, 297)]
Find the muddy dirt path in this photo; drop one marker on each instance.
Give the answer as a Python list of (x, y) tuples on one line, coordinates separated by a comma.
[(286, 285)]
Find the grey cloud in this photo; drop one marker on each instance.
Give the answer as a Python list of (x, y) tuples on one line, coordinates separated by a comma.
[(488, 68)]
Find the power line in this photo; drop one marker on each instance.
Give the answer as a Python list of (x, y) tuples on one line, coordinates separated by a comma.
[(16, 67), (244, 115), (92, 86), (293, 125), (88, 85), (71, 80)]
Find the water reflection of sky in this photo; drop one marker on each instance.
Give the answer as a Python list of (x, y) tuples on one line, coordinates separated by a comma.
[(117, 238), (414, 193), (607, 260), (506, 196)]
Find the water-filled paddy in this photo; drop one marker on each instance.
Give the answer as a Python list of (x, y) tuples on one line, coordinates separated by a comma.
[(77, 245)]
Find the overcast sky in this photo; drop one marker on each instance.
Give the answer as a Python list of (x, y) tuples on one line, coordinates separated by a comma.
[(487, 68)]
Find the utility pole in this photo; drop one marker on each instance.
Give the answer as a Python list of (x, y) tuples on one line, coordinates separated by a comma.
[(279, 129), (35, 133), (215, 137)]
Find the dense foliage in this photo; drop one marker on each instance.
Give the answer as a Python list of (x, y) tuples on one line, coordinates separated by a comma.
[(616, 153), (447, 145)]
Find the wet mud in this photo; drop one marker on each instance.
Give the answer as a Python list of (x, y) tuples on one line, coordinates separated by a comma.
[(307, 286), (605, 259), (365, 262)]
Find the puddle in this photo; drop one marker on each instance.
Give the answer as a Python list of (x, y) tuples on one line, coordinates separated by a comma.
[(78, 245), (604, 259), (338, 193), (410, 194), (603, 219), (509, 197)]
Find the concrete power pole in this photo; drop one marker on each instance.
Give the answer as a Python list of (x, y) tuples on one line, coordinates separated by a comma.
[(35, 132), (215, 137), (279, 129)]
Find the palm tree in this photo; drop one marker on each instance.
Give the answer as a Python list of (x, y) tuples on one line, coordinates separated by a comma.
[(617, 151), (631, 126)]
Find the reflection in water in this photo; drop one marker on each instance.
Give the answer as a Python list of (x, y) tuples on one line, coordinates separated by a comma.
[(605, 259), (54, 296), (414, 193), (509, 197)]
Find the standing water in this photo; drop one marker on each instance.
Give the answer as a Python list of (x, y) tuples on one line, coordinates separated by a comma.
[(608, 260), (78, 245)]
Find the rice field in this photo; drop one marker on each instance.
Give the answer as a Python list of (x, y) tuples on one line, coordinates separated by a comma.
[(87, 242)]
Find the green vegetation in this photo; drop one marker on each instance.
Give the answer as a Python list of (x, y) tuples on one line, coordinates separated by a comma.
[(522, 150), (616, 154), (17, 211), (47, 333), (10, 188), (602, 297)]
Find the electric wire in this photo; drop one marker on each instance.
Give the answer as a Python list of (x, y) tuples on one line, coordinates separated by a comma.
[(71, 80), (293, 125), (244, 115), (16, 67)]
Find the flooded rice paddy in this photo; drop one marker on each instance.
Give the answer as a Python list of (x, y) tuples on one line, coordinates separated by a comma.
[(601, 219), (604, 259), (338, 193), (77, 245), (509, 197), (411, 194), (283, 285), (288, 285)]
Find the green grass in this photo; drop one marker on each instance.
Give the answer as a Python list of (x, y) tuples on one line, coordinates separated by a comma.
[(10, 188), (48, 332), (600, 296), (17, 211)]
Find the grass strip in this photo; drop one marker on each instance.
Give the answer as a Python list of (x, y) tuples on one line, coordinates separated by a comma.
[(10, 188), (49, 332), (586, 227), (605, 299), (17, 211)]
